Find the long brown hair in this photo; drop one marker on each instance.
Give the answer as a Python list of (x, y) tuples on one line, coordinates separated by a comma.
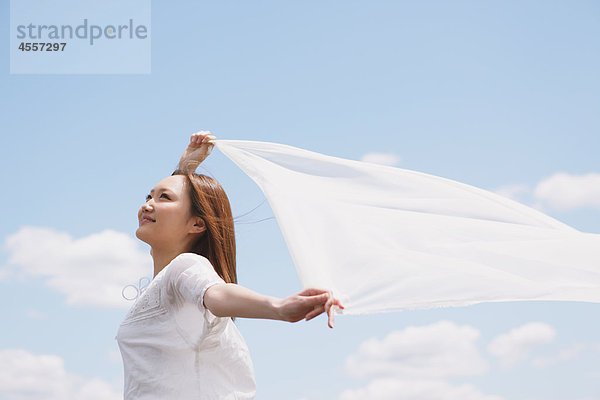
[(217, 243)]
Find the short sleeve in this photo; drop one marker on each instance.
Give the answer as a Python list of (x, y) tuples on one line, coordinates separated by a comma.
[(188, 278)]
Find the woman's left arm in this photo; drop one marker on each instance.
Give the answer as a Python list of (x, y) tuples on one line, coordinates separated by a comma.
[(200, 146), (232, 300)]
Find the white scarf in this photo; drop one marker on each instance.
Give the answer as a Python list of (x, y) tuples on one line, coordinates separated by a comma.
[(385, 238)]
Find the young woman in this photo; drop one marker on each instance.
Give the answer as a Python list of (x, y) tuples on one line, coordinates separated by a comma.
[(178, 340)]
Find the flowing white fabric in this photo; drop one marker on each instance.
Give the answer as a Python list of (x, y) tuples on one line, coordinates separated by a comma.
[(386, 238)]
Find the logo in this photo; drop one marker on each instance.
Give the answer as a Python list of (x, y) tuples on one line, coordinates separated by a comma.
[(133, 291), (80, 37), (89, 32)]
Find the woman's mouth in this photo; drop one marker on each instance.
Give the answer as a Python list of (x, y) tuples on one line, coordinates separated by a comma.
[(146, 219)]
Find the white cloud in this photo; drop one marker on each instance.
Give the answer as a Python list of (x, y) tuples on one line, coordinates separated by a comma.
[(26, 376), (512, 191), (415, 362), (90, 271), (516, 345), (566, 354), (563, 191), (381, 158), (393, 389), (440, 350)]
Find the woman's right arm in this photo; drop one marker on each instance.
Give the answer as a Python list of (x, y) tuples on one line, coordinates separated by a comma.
[(232, 300)]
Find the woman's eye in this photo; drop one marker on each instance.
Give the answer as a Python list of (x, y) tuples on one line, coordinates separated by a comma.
[(166, 196)]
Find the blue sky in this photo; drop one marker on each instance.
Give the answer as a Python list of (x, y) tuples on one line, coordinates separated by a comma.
[(500, 95)]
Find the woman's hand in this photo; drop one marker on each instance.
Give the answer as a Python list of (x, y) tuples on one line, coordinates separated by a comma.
[(308, 304), (199, 148)]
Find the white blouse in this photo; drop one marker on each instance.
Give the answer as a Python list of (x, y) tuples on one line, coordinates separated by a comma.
[(175, 348)]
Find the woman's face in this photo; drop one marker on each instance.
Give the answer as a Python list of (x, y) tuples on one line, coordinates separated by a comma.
[(165, 220)]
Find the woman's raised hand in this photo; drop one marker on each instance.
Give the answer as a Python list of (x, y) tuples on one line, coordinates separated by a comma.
[(308, 304), (199, 148)]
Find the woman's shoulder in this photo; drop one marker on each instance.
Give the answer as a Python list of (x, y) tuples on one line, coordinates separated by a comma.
[(190, 262), (188, 276), (190, 258)]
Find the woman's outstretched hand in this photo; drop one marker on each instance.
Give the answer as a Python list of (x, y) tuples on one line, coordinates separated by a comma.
[(308, 304), (199, 148)]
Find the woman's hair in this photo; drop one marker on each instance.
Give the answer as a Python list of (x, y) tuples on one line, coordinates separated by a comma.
[(217, 243)]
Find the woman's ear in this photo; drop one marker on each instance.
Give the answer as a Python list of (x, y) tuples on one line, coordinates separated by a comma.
[(199, 225)]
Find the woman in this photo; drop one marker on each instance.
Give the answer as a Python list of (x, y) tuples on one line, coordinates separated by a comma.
[(178, 340)]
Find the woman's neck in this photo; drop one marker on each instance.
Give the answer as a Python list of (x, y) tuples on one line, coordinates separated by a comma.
[(162, 258)]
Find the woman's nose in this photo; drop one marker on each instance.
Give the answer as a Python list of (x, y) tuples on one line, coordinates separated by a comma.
[(147, 206)]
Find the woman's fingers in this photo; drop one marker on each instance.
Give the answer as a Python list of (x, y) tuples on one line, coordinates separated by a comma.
[(329, 309), (315, 312), (200, 137), (320, 310), (207, 138), (313, 301), (319, 301)]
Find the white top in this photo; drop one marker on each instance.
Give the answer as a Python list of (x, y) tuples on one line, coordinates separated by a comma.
[(175, 348)]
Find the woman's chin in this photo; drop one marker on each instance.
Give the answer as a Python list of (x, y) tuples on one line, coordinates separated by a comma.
[(140, 235)]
